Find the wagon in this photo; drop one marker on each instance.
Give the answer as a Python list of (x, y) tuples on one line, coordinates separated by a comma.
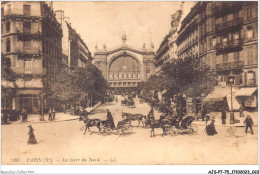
[(123, 127)]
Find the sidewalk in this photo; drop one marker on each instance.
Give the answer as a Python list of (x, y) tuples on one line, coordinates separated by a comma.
[(59, 117), (218, 121)]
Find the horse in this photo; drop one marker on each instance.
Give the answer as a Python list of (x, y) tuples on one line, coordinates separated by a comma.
[(161, 123), (133, 117), (90, 123), (123, 102)]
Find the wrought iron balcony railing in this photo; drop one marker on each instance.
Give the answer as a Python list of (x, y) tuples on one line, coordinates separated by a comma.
[(229, 24), (233, 44), (230, 65)]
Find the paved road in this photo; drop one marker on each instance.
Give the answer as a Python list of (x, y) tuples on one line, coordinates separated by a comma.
[(65, 143)]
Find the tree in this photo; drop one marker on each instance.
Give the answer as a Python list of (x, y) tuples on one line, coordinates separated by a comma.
[(72, 83), (8, 77), (189, 76)]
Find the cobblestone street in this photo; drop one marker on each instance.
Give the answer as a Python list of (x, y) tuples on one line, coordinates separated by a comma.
[(65, 143)]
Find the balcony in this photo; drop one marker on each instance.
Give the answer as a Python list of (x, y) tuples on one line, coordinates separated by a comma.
[(230, 65), (232, 24), (21, 12), (227, 8), (28, 52), (230, 46)]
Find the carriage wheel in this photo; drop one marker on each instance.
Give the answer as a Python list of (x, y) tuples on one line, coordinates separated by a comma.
[(120, 130), (128, 128), (103, 130), (109, 131), (193, 129)]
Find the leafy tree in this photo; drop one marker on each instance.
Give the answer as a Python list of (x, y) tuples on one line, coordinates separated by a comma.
[(8, 78), (188, 76), (72, 83)]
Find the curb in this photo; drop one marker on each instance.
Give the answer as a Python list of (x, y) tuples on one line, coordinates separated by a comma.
[(46, 121)]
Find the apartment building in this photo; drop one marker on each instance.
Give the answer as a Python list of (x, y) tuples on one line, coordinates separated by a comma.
[(224, 36), (31, 38)]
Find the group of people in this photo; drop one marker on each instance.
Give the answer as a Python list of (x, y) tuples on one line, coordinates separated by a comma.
[(52, 114), (14, 115)]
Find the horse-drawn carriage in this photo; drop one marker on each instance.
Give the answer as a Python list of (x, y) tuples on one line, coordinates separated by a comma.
[(105, 127), (172, 124), (129, 103), (123, 127)]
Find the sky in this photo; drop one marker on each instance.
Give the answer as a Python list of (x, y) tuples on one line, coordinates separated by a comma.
[(106, 22)]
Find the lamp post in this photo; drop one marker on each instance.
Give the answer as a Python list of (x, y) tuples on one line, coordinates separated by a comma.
[(42, 104), (232, 117)]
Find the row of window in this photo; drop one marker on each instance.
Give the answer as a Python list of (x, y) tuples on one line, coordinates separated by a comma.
[(26, 10), (247, 78), (123, 84), (124, 76)]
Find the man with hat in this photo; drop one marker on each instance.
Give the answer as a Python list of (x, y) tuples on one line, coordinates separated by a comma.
[(249, 123)]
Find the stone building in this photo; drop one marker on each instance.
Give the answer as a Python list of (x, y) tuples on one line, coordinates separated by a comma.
[(224, 36), (74, 49), (125, 66), (31, 38)]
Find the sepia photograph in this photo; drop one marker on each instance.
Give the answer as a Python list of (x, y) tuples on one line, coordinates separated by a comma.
[(129, 83)]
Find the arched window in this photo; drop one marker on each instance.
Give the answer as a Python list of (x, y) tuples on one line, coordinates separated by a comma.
[(125, 67)]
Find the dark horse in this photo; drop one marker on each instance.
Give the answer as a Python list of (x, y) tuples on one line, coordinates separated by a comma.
[(94, 122), (132, 117), (163, 123)]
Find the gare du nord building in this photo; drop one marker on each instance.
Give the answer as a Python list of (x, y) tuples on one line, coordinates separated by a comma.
[(124, 67)]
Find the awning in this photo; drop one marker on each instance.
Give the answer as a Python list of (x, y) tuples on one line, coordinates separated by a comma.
[(220, 92), (246, 91)]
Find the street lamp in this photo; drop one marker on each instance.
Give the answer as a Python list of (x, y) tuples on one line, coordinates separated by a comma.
[(42, 104), (232, 117)]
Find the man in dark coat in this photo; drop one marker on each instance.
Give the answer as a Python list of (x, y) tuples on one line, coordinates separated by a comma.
[(24, 114), (110, 119), (223, 116), (249, 123)]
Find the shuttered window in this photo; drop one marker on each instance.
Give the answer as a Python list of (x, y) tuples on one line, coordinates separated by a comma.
[(245, 78)]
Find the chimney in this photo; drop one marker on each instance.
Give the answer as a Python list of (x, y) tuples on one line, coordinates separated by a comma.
[(59, 15)]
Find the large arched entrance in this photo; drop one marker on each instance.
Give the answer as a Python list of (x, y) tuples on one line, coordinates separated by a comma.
[(124, 73)]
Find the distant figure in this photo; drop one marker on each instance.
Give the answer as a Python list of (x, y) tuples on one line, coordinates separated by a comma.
[(110, 119), (24, 115), (53, 113), (50, 114), (203, 113), (116, 99), (241, 110), (207, 118), (81, 113), (210, 129), (32, 139), (223, 116), (249, 123)]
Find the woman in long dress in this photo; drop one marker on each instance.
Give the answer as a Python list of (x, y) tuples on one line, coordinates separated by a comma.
[(32, 139)]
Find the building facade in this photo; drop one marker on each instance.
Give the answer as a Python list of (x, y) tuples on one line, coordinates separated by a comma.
[(125, 66), (75, 51), (31, 38), (224, 36)]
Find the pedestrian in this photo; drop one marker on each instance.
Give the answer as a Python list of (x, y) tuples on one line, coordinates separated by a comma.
[(207, 118), (32, 139), (50, 114), (241, 110), (223, 116), (203, 113), (5, 116), (249, 123), (24, 115), (210, 129), (110, 119), (81, 113), (53, 113), (86, 114)]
